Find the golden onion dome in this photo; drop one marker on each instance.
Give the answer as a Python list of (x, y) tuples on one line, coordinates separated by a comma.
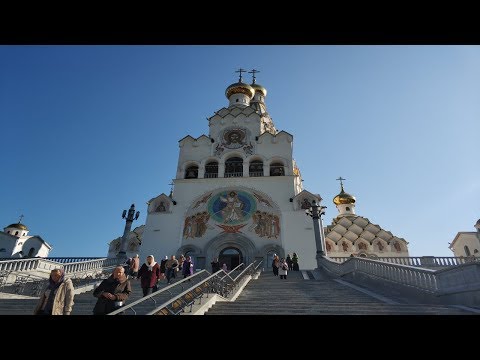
[(259, 88), (239, 88), (344, 198), (18, 226)]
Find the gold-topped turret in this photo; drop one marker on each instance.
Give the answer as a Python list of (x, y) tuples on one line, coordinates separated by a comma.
[(255, 86), (240, 87), (343, 197)]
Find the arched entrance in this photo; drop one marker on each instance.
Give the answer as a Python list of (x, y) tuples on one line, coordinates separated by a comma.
[(230, 256), (270, 254)]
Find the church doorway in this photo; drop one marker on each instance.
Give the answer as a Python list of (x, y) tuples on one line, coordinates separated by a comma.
[(230, 256), (270, 254)]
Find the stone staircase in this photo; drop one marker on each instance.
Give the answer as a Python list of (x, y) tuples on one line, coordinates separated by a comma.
[(269, 295), (83, 303)]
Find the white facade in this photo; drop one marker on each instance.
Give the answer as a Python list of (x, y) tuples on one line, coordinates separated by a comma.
[(16, 243), (236, 193), (467, 243)]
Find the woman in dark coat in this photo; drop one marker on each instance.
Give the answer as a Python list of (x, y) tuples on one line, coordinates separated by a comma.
[(112, 292), (149, 274), (187, 267)]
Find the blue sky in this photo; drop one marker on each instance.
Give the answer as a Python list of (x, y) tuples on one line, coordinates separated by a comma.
[(89, 130)]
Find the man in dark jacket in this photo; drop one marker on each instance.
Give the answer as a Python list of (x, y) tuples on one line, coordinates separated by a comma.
[(112, 292)]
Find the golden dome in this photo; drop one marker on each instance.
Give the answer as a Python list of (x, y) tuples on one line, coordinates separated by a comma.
[(18, 226), (343, 198), (259, 88), (239, 88)]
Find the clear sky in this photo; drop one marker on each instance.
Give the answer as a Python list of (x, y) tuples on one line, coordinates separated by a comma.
[(89, 130)]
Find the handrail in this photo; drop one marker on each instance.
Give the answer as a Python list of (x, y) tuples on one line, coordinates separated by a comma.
[(181, 303), (212, 283), (157, 293)]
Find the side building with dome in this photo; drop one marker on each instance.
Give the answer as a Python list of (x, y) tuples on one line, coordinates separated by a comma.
[(351, 234), (16, 243)]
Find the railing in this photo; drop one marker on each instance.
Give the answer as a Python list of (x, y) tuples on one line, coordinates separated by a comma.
[(233, 174), (25, 283), (423, 279), (89, 265), (217, 283), (66, 260), (27, 270), (162, 295), (28, 264), (255, 173), (176, 297), (422, 261), (210, 175)]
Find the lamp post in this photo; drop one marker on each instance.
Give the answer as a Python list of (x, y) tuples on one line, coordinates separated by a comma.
[(122, 254), (316, 212)]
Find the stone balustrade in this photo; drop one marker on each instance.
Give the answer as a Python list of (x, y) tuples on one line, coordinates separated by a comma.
[(421, 261), (458, 284)]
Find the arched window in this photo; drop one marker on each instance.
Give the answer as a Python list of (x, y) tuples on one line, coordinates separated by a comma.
[(211, 170), (30, 252), (234, 167), (16, 232), (255, 168), (467, 250), (347, 208), (191, 172), (276, 169)]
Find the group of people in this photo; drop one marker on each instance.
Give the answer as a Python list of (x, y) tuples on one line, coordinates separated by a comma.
[(113, 292), (281, 266), (216, 266)]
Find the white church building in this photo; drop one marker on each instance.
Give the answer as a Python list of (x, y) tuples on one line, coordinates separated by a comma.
[(16, 243), (238, 196)]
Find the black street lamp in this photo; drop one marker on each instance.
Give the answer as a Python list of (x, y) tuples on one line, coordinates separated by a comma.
[(122, 254), (316, 212)]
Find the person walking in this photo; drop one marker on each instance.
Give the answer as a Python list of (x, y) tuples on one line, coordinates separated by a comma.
[(149, 274), (57, 298), (283, 269), (112, 293)]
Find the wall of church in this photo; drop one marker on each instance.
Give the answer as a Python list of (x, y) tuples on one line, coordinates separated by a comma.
[(11, 247), (471, 240), (192, 223), (299, 238), (7, 244)]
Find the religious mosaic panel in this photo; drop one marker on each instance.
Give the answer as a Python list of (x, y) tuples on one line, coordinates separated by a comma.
[(234, 138), (232, 211)]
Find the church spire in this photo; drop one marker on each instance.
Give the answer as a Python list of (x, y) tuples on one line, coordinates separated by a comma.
[(258, 103), (239, 94), (344, 202)]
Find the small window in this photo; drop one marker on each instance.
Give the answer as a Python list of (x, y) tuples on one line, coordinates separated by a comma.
[(8, 232), (467, 250), (191, 172), (23, 234), (30, 252), (236, 100), (475, 251), (276, 169), (348, 209), (16, 232)]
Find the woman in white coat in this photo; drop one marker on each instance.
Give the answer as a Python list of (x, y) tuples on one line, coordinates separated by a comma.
[(283, 269)]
